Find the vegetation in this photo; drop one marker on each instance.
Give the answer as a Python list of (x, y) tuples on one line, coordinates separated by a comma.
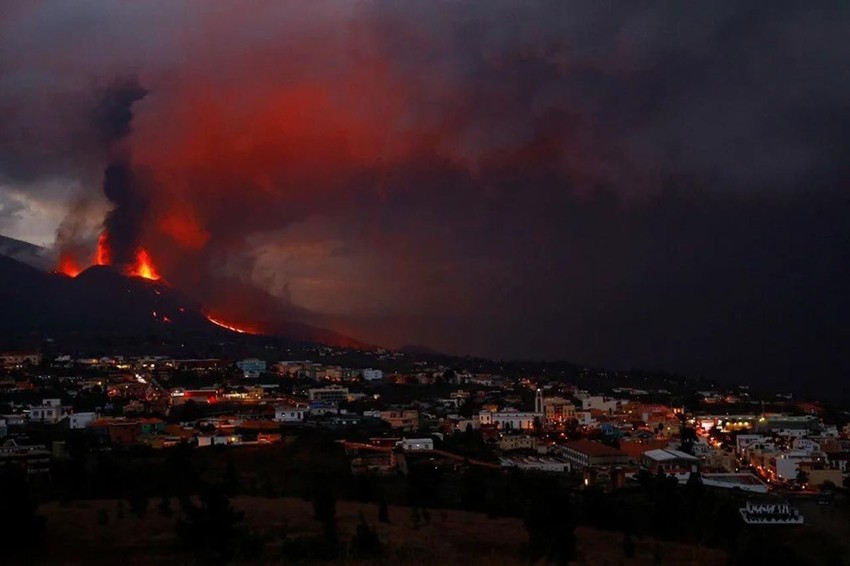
[(21, 527)]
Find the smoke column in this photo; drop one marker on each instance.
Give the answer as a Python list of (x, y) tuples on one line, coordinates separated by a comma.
[(121, 184), (119, 242)]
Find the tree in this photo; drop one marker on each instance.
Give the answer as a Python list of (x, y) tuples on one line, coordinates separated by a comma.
[(165, 507), (213, 531), (191, 411), (365, 542), (549, 523), (415, 518), (466, 409), (802, 477), (688, 438), (473, 489), (232, 483), (383, 511), (324, 509), (628, 546), (138, 503), (21, 528)]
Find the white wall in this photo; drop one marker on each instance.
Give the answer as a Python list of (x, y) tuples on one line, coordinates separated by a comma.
[(289, 414), (81, 420), (373, 375)]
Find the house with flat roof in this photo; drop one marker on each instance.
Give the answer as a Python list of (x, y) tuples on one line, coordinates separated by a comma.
[(588, 453), (669, 461)]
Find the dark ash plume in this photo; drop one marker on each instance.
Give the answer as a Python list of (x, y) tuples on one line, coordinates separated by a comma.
[(121, 182), (124, 223), (114, 113)]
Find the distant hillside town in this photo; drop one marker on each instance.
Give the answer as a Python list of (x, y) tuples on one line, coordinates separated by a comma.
[(400, 411)]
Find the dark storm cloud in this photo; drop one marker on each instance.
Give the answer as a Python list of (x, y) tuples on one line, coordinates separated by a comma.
[(617, 183), (734, 97)]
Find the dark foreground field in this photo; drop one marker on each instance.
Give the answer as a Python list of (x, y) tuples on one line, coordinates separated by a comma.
[(77, 534)]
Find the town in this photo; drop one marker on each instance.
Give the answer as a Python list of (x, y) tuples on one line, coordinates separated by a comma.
[(387, 415)]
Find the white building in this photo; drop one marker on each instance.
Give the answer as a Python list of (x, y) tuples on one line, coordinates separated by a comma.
[(806, 445), (50, 411), (218, 439), (558, 409), (289, 414), (412, 444), (80, 420), (330, 394), (536, 463), (787, 464), (669, 461), (792, 432), (585, 418), (372, 375), (600, 403), (252, 367), (510, 419), (743, 441)]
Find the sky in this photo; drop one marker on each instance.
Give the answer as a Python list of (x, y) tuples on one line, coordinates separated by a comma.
[(619, 184)]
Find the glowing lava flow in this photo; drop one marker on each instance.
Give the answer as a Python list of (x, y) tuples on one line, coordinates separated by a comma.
[(227, 326), (68, 266), (102, 255), (144, 267)]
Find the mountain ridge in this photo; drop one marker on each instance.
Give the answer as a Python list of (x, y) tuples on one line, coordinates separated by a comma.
[(101, 301)]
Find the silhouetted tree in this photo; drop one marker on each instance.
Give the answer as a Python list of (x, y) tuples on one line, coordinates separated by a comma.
[(21, 528), (365, 542), (383, 511), (212, 530), (688, 437), (138, 503), (628, 546), (324, 508), (191, 411), (232, 484), (473, 489), (549, 523), (415, 518), (165, 507), (181, 469)]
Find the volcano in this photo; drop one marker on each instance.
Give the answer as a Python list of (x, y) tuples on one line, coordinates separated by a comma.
[(105, 301)]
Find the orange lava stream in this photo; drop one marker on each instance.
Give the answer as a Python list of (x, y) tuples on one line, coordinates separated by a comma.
[(102, 255), (227, 326)]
